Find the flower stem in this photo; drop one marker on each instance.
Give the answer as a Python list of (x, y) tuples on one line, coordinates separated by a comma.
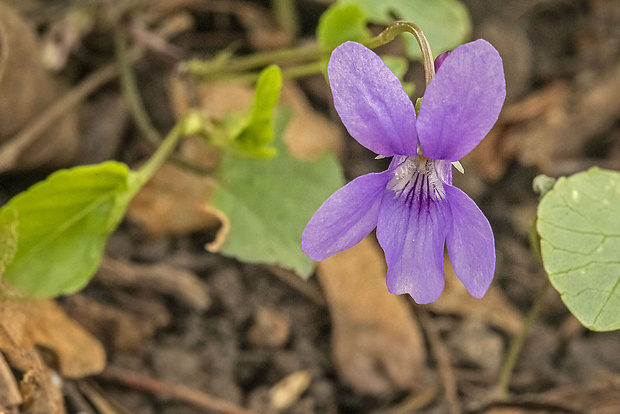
[(399, 27), (288, 73), (164, 150), (286, 16), (516, 345), (229, 67), (207, 69), (132, 95)]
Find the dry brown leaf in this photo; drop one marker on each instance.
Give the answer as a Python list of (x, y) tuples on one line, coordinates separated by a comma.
[(493, 308), (43, 323), (10, 395), (377, 345), (38, 392), (173, 202), (552, 127), (26, 90), (223, 230), (309, 134)]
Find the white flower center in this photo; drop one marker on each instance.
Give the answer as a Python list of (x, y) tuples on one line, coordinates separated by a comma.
[(420, 176)]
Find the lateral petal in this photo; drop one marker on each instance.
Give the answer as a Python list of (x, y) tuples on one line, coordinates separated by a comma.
[(371, 101), (412, 229), (462, 102), (470, 242), (346, 217)]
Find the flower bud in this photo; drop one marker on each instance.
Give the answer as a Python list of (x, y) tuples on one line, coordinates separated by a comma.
[(439, 60)]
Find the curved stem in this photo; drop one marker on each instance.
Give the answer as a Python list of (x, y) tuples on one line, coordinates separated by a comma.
[(205, 69), (233, 67), (141, 118), (516, 345), (399, 27)]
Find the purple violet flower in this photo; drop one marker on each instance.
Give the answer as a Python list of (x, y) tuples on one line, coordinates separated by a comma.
[(413, 204)]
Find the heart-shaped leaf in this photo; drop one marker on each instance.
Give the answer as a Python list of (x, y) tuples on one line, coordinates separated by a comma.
[(62, 226), (579, 226)]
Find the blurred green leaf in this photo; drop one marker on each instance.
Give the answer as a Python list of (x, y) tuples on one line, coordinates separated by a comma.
[(63, 225), (269, 203), (9, 224), (341, 23), (445, 23), (253, 132), (579, 226)]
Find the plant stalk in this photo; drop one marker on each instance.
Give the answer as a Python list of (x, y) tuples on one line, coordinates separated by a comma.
[(141, 118), (233, 67)]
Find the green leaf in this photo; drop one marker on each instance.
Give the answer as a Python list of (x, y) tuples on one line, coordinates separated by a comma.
[(269, 202), (341, 23), (9, 224), (64, 223), (579, 226), (254, 136), (445, 23)]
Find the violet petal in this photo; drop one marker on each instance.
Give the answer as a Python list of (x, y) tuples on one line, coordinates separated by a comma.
[(412, 229), (371, 101), (346, 217), (470, 243), (444, 171), (462, 102)]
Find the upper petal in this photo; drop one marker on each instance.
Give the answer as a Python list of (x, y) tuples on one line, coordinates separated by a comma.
[(462, 102), (346, 217), (412, 228), (371, 101), (471, 245)]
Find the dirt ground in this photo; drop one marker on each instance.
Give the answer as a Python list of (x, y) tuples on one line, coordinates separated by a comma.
[(233, 332)]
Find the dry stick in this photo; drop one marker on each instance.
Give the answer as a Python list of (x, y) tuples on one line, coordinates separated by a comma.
[(9, 153), (97, 398), (166, 391), (442, 357), (534, 402)]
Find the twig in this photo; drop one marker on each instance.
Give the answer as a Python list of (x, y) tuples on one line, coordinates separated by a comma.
[(76, 398), (9, 152), (534, 403), (166, 391), (181, 284), (101, 402), (417, 401), (442, 357)]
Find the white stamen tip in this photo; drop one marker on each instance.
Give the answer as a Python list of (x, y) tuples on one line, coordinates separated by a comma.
[(459, 167), (379, 157)]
